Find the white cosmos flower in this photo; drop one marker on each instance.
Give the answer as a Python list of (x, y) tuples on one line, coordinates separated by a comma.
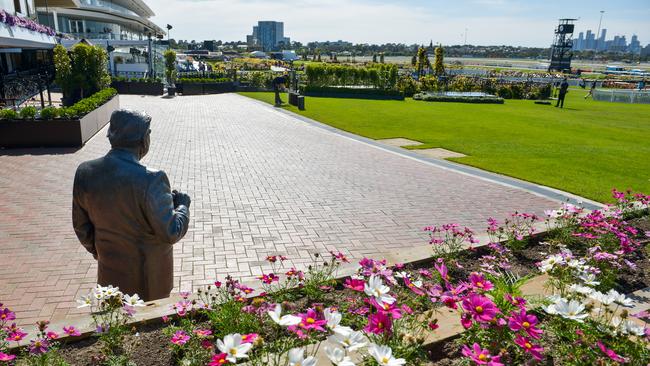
[(384, 356), (589, 278), (84, 302), (134, 300), (570, 309), (284, 321), (602, 298), (620, 299), (631, 327), (338, 357), (333, 319), (351, 340), (550, 262), (376, 288), (584, 290), (232, 346), (297, 358)]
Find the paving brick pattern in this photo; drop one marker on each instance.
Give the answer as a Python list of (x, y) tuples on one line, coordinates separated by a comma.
[(262, 182)]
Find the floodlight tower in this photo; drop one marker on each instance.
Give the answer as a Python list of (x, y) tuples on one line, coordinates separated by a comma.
[(563, 43)]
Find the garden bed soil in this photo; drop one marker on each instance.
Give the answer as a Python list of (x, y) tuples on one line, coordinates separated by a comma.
[(139, 88), (56, 132)]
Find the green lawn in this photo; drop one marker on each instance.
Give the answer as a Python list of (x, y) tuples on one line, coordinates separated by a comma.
[(587, 148)]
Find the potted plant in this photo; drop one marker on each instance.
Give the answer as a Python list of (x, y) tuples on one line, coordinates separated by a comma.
[(170, 71)]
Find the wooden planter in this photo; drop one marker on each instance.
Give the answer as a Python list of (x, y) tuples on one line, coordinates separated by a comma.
[(205, 88), (57, 132), (139, 88)]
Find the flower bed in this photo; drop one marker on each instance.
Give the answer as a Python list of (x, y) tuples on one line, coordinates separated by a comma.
[(346, 92), (433, 97), (383, 314), (58, 127), (14, 20)]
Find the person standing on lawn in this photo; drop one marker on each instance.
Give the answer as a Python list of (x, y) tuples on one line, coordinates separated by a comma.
[(564, 88), (126, 215), (279, 84), (591, 91)]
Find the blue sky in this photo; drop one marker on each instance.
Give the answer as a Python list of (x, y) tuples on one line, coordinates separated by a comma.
[(488, 22)]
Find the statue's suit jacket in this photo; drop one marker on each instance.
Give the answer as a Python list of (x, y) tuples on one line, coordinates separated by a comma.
[(124, 215)]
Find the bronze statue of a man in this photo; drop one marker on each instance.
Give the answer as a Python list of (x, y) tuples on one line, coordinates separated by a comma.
[(126, 216)]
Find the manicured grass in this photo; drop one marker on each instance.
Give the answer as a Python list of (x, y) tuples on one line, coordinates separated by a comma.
[(587, 148)]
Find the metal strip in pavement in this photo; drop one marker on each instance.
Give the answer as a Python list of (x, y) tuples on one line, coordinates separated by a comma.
[(533, 188)]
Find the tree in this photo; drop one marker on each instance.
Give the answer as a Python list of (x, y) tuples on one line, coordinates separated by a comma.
[(381, 58), (422, 61), (170, 66), (374, 57), (439, 66)]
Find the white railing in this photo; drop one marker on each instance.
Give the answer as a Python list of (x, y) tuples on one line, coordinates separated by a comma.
[(622, 96)]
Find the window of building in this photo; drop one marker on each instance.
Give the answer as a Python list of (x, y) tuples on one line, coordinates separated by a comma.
[(76, 26), (17, 6)]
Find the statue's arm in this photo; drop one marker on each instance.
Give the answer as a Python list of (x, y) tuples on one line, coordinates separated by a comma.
[(83, 227), (169, 223)]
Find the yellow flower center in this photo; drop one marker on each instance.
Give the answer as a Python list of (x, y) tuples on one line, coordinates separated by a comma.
[(385, 360), (479, 284), (311, 320), (380, 325), (526, 324), (386, 306), (233, 351), (479, 309), (528, 345), (482, 357)]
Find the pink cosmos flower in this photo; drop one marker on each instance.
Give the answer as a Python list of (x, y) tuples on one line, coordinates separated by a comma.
[(219, 359), (206, 344), (482, 309), (442, 269), (16, 336), (480, 356), (249, 338), (312, 320), (340, 256), (425, 273), (355, 284), (529, 347), (479, 282), (71, 331), (39, 346), (466, 321), (434, 325), (268, 278), (516, 301), (413, 287), (6, 357), (182, 307), (389, 309), (526, 322), (202, 333), (379, 323), (180, 338), (610, 353), (6, 315), (217, 284), (52, 335)]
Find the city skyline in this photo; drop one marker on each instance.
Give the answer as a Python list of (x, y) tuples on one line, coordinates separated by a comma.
[(490, 22)]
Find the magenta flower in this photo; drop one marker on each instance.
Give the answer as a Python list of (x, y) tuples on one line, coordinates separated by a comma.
[(202, 333), (180, 338), (71, 331), (52, 335), (39, 346), (16, 336), (6, 315), (249, 338), (610, 353), (6, 357), (529, 347), (479, 282), (526, 322), (480, 356), (414, 286), (182, 307), (442, 269), (379, 323), (312, 320), (268, 278), (516, 301), (354, 284), (482, 309), (389, 309)]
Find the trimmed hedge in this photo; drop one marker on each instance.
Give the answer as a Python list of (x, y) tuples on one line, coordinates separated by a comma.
[(124, 79), (361, 91), (458, 99), (202, 80), (79, 109)]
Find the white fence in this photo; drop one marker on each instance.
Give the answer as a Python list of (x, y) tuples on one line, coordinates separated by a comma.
[(623, 96)]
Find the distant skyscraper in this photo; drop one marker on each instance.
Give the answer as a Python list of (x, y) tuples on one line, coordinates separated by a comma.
[(635, 45), (580, 43), (601, 41), (590, 41), (269, 35)]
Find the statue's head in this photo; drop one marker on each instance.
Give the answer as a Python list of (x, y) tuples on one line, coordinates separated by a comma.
[(130, 130)]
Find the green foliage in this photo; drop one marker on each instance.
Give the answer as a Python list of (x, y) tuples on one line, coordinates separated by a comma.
[(8, 114), (422, 61), (63, 67), (360, 91), (438, 63), (89, 104), (202, 80), (457, 99), (28, 112), (379, 76), (81, 72), (124, 79), (170, 66), (49, 113)]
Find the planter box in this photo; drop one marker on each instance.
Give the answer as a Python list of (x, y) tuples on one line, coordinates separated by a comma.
[(58, 132), (205, 88), (374, 96), (140, 88)]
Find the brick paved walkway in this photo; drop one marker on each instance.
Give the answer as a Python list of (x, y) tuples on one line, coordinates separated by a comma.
[(261, 182)]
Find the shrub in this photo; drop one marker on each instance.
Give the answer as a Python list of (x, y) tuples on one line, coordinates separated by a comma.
[(170, 66), (89, 104), (49, 113), (202, 80), (8, 114), (28, 112), (458, 99), (81, 72)]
